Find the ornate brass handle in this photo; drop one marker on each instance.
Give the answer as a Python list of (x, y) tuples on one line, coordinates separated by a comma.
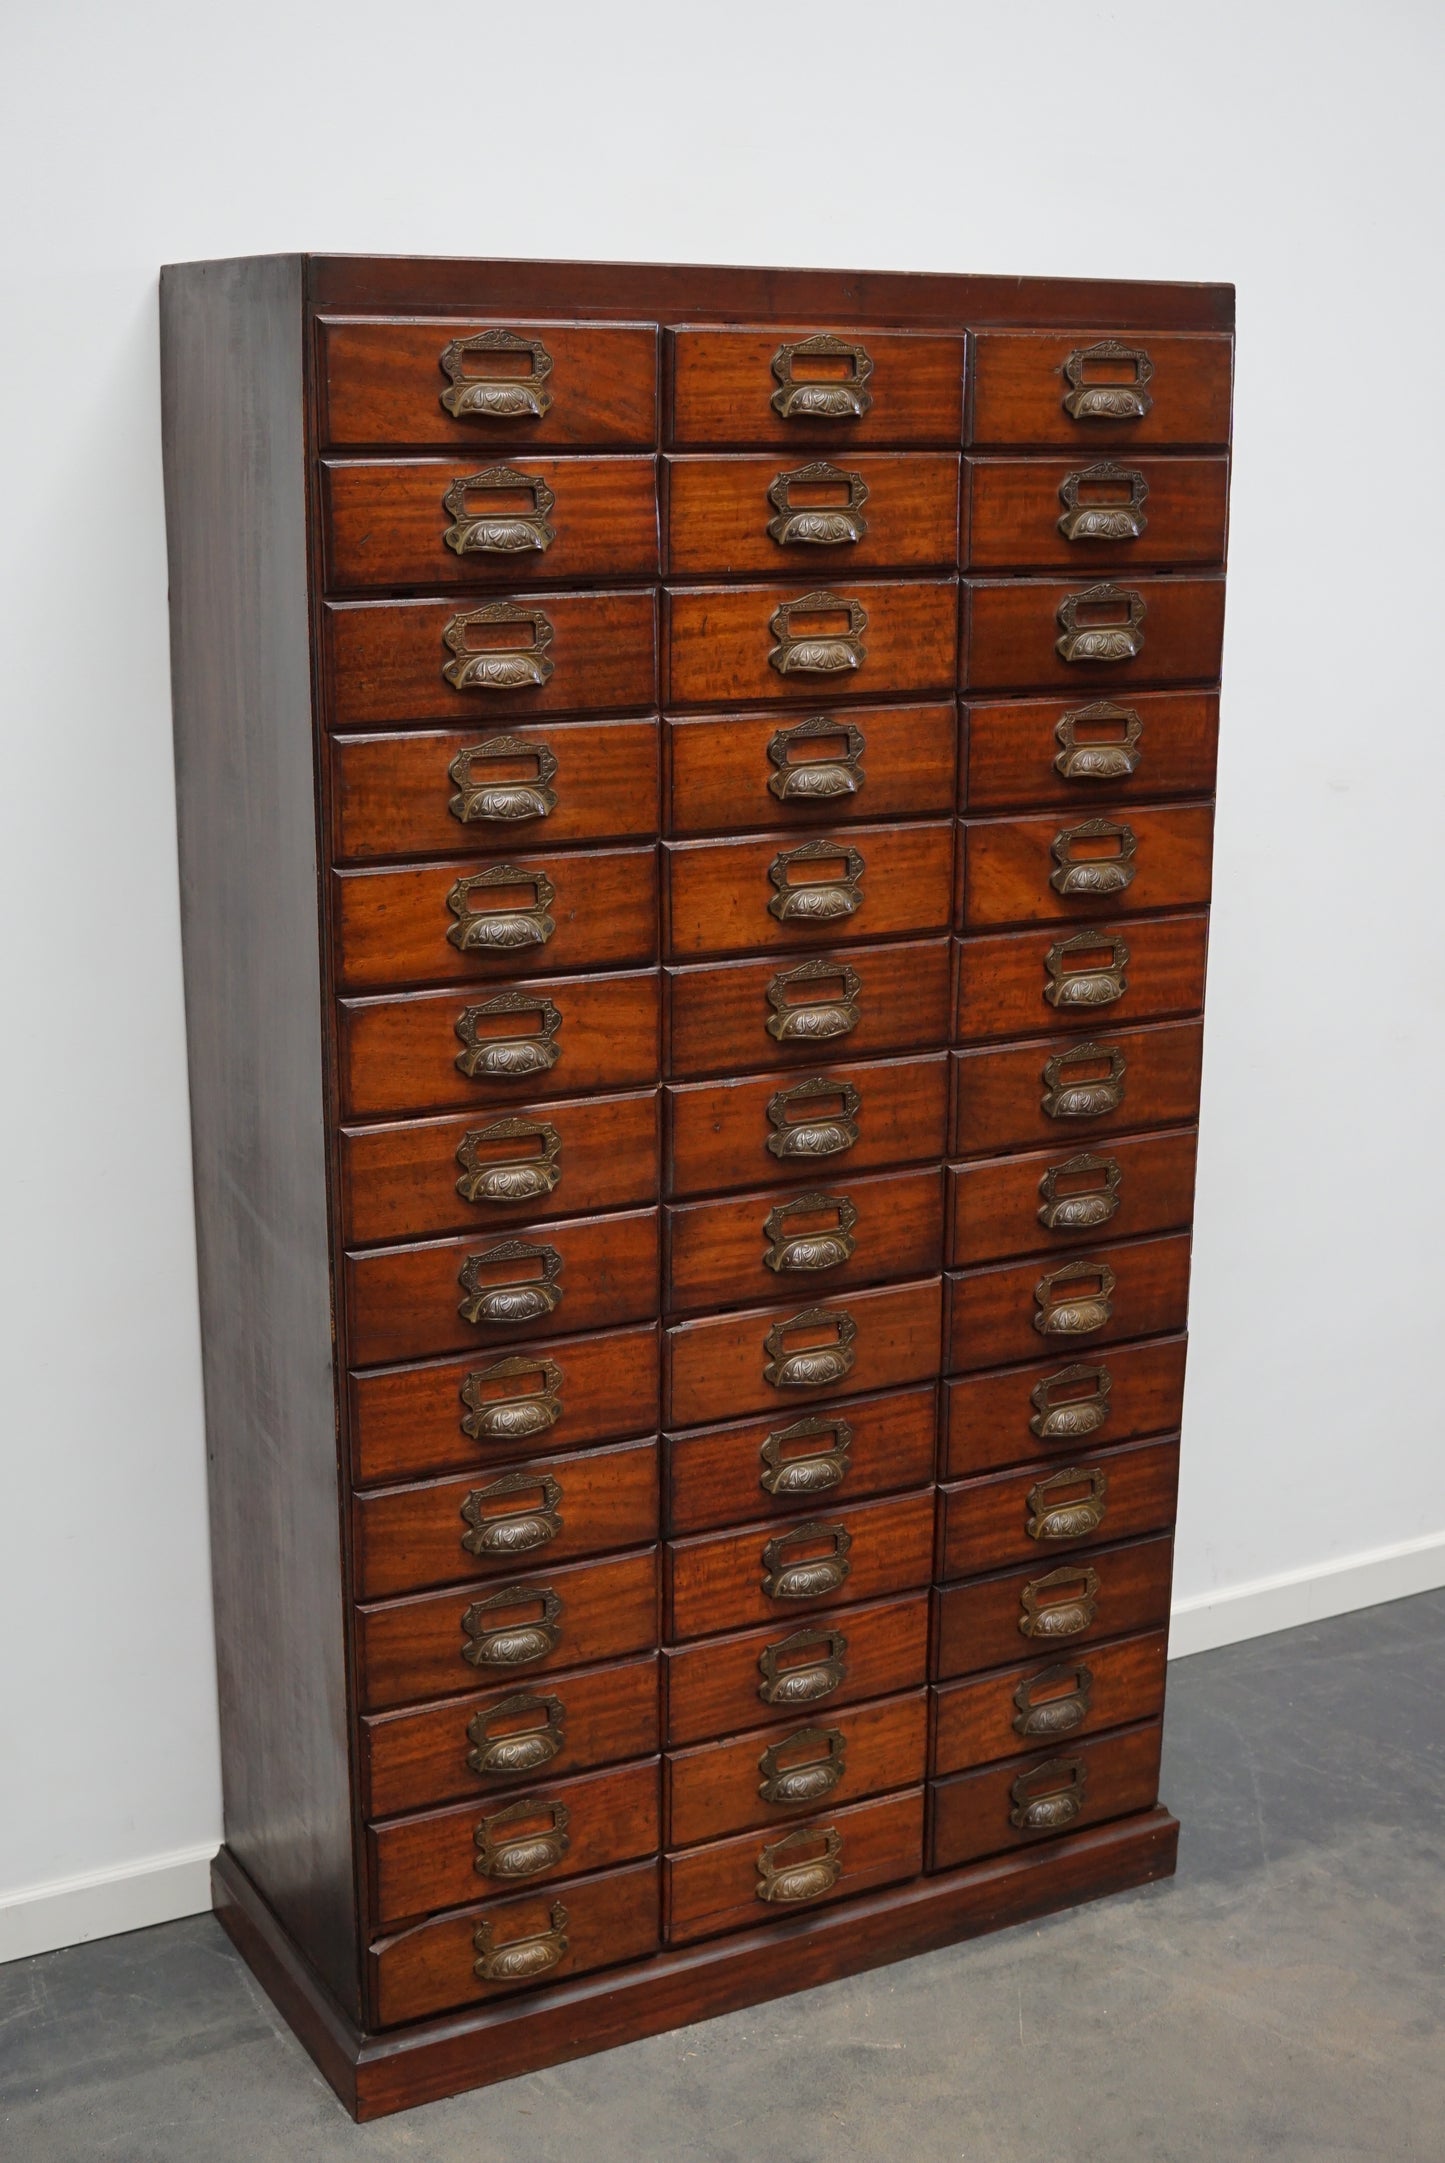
[(1106, 518), (1062, 1604), (512, 1174), (1075, 980), (791, 1777), (493, 1642), (1115, 401), (797, 1462), (829, 397), (818, 652), (519, 1734), (1053, 1702), (1069, 1094), (803, 1667), (813, 1021), (1092, 627), (522, 1841), (1048, 1797), (820, 524), (817, 899), (527, 1518), (520, 1960), (1096, 874), (502, 802), (499, 1055), (500, 666), (816, 1365), (506, 926), (514, 1298), (813, 777), (494, 394), (514, 1415), (818, 1247), (1098, 758), (495, 532), (1070, 1404), (801, 1866), (1057, 1511), (810, 1576), (813, 1133), (1066, 1308), (1091, 1198)]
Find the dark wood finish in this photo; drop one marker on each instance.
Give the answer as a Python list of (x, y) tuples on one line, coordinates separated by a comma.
[(717, 1133), (972, 1814), (1013, 512), (1001, 977), (713, 1685), (984, 1524), (714, 1790), (717, 640), (989, 1313), (998, 1093), (721, 385), (716, 1254), (976, 1624), (719, 1582), (718, 514), (717, 1014), (986, 1417), (719, 769), (715, 1366), (994, 1207), (715, 1888), (1017, 387), (1011, 745), (980, 1720), (718, 893), (1012, 627), (1007, 865), (713, 1477)]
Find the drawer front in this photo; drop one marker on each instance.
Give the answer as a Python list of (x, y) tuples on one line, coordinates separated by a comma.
[(756, 1878), (438, 1048), (728, 771), (738, 897), (459, 1294), (1011, 1806), (1058, 1509), (542, 653), (430, 923), (464, 1414), (789, 1013), (1019, 871), (439, 1643), (841, 636), (1083, 752), (554, 1510), (505, 1946), (773, 1775), (990, 1621), (1132, 969), (766, 517), (828, 388), (1110, 389), (1101, 1296), (1046, 1704), (782, 1673), (552, 1831), (772, 1358), (549, 1159), (1076, 1093), (484, 1743), (1089, 513), (731, 1580), (802, 1240), (493, 790), (790, 1468), (1061, 1405), (1052, 1201), (570, 384), (1039, 633), (846, 1119)]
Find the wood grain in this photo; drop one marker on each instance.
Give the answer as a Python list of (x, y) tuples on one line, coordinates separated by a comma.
[(719, 895), (972, 1813), (718, 1013), (999, 1091), (719, 768), (719, 511), (989, 1313), (976, 1624), (1008, 865), (714, 1888), (986, 1417), (715, 1366), (716, 1134), (716, 1254), (1001, 977), (712, 1477), (1011, 746), (1014, 507), (718, 1582), (721, 385), (718, 638), (983, 1523), (1017, 387), (994, 1207), (713, 1685), (1012, 628), (978, 1721), (714, 1790)]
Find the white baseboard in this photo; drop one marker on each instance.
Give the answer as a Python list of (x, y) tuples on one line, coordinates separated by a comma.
[(1207, 1620), (101, 1903)]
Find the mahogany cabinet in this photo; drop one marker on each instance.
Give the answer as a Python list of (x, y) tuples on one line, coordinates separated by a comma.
[(696, 823)]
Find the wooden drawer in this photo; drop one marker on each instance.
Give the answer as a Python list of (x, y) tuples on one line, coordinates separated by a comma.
[(727, 1475), (561, 653), (1061, 1405), (846, 1119), (802, 1240), (1037, 633), (731, 1580), (752, 770), (433, 1049), (1019, 381), (1078, 1092), (493, 790), (557, 1830), (437, 1644), (580, 384), (482, 1744), (1052, 1201), (1057, 1509), (1078, 755), (1047, 1704), (1018, 871), (1010, 1805), (988, 1621), (841, 636), (534, 1938), (771, 517), (743, 896), (1101, 1296), (836, 1854), (1132, 969), (773, 1014), (730, 1364), (743, 1785), (782, 1674), (555, 1510), (751, 385), (1084, 514), (588, 909)]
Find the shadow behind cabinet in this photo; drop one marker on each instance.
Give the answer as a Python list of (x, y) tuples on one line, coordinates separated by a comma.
[(695, 800)]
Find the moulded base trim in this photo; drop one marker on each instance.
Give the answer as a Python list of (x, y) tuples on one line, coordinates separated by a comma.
[(1206, 1620)]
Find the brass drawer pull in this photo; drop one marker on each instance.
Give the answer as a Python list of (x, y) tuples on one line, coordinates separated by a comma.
[(1108, 401), (494, 1642), (516, 1414), (528, 1518), (813, 1021), (810, 1577), (817, 900), (1056, 1513), (509, 1738), (821, 1247), (790, 1779), (818, 652), (475, 532), (813, 1132), (796, 1461), (1090, 1200), (812, 1366), (513, 1174), (1095, 875), (826, 397), (495, 394), (1063, 1604), (803, 1667), (502, 665), (522, 1841), (1104, 634), (1048, 1797), (1075, 980), (1063, 1310), (801, 1866), (520, 1960), (1069, 1094), (814, 777), (502, 802), (1095, 757), (1070, 1404), (819, 524), (507, 926), (499, 1055), (1053, 1702), (522, 1295), (1106, 518)]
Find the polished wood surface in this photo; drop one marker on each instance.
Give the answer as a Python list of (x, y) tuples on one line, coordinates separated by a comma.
[(1004, 1097), (995, 1208), (1012, 629), (718, 1014), (1018, 384), (715, 1367), (1002, 977), (976, 1813), (714, 1684), (725, 1134), (719, 512), (715, 1888), (990, 1313), (985, 1524), (718, 639), (994, 1419), (721, 1582), (720, 769), (987, 1717), (722, 1253), (715, 1476), (721, 385), (716, 1790), (1015, 511), (977, 1623), (1009, 864), (1014, 753)]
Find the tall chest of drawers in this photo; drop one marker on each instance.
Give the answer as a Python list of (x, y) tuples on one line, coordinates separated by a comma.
[(695, 804)]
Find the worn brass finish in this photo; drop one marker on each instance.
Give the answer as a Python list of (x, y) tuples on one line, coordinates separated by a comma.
[(520, 1960), (816, 901), (1093, 878), (502, 1748), (498, 533), (508, 1058), (516, 1176), (815, 1366), (810, 1780), (806, 1679), (519, 1416), (502, 802), (518, 1299), (1113, 758), (1062, 1313), (819, 525), (812, 1467), (814, 780), (1101, 641), (817, 1134), (505, 1851), (809, 1250), (1058, 1418), (1088, 1097), (831, 400), (1054, 1702), (814, 1577), (787, 1871), (505, 929), (1104, 521), (1063, 1604), (498, 668), (496, 396), (494, 1643), (1107, 401), (813, 1020), (1046, 1798), (515, 1530), (1055, 1514), (1086, 1208), (818, 653), (1076, 982)]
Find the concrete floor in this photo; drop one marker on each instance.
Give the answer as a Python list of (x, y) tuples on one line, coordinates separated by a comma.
[(1283, 1997)]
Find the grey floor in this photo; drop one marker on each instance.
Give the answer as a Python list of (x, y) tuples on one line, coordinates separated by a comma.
[(1283, 1997)]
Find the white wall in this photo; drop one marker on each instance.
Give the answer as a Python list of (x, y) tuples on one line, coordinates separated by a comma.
[(1292, 148)]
